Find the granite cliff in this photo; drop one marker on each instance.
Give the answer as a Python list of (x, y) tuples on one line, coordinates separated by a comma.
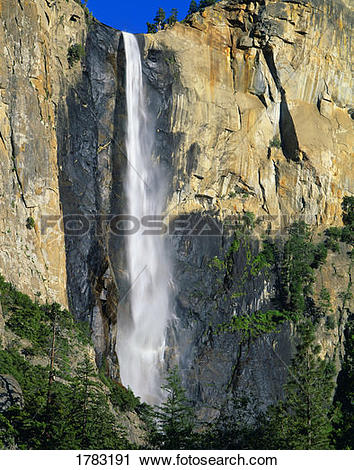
[(253, 109)]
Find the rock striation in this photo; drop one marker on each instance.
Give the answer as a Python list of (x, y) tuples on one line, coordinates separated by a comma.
[(255, 99), (34, 74)]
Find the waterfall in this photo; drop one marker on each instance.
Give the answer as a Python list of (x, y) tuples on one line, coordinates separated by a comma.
[(141, 337)]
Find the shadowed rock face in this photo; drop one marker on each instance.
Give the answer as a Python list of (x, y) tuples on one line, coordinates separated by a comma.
[(251, 104)]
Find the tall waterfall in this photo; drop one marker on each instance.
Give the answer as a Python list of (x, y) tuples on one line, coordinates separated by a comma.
[(141, 337)]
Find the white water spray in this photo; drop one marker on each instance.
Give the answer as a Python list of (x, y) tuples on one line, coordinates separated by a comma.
[(141, 338)]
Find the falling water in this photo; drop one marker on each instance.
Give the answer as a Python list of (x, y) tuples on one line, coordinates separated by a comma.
[(141, 339)]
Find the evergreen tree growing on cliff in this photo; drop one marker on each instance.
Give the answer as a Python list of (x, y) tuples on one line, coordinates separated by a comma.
[(347, 235), (90, 421), (303, 421), (344, 427), (160, 18), (173, 17), (207, 3), (159, 22), (151, 28), (175, 417), (300, 260), (193, 7)]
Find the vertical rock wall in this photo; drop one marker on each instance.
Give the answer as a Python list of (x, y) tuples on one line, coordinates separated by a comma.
[(254, 108), (34, 73)]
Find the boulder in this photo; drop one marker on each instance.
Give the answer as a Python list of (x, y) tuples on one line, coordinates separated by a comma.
[(10, 393)]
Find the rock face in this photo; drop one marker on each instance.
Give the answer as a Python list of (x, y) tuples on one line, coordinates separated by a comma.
[(34, 72), (10, 393), (253, 114), (254, 98), (89, 159)]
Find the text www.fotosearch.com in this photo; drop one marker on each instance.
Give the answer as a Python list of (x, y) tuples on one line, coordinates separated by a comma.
[(190, 460)]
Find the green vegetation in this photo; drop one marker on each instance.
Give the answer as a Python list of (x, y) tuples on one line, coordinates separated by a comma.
[(275, 142), (345, 234), (256, 324), (344, 398), (193, 7), (250, 325), (206, 3), (90, 421), (333, 236), (330, 322), (303, 419), (160, 20), (75, 53), (75, 415), (238, 192), (34, 322), (174, 419), (324, 302), (120, 397), (306, 418), (65, 405), (348, 211), (30, 223), (299, 261), (240, 426), (88, 15), (293, 264)]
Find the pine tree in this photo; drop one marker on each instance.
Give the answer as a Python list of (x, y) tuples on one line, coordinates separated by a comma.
[(91, 424), (57, 419), (347, 235), (302, 421), (193, 7), (175, 417), (207, 3), (173, 17), (53, 314), (151, 28), (7, 433), (301, 258), (348, 210), (160, 18), (344, 398)]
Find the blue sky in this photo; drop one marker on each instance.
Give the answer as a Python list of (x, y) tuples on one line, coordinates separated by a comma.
[(132, 15)]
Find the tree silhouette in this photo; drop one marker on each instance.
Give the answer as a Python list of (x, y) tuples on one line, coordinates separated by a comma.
[(160, 18), (193, 7), (173, 17), (207, 3)]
